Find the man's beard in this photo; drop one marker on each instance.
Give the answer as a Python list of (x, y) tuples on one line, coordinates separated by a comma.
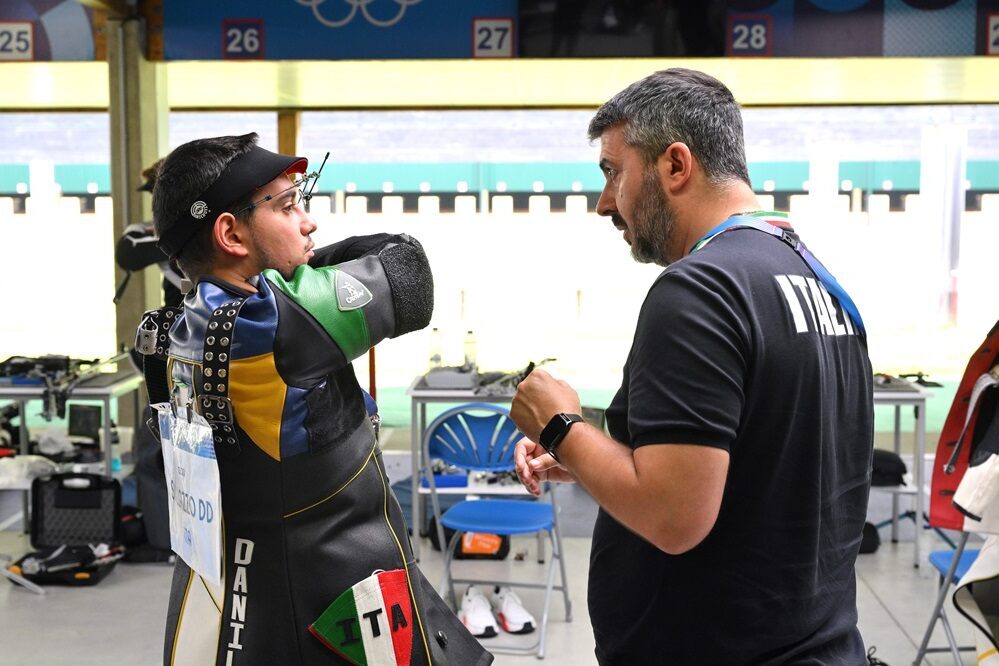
[(652, 222), (267, 260)]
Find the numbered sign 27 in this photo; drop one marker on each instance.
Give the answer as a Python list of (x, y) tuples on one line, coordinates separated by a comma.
[(17, 40), (492, 38), (749, 35), (992, 47), (243, 39)]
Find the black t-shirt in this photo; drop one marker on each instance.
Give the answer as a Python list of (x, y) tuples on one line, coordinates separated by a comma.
[(738, 347)]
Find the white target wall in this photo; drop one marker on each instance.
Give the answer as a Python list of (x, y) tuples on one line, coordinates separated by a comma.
[(530, 285)]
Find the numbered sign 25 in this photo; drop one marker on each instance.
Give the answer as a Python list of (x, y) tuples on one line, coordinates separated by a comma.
[(243, 39), (17, 40), (749, 35), (992, 45), (492, 38)]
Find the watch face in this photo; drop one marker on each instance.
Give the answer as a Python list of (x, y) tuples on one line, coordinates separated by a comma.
[(550, 435), (556, 431)]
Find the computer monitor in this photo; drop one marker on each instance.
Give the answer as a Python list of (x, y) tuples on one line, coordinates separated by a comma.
[(85, 421)]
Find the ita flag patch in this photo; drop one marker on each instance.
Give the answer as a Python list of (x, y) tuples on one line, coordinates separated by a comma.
[(371, 624)]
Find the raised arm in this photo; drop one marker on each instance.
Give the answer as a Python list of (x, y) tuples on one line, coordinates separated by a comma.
[(384, 291), (355, 247)]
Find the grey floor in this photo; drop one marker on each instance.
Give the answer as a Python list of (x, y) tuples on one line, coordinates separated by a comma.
[(120, 621)]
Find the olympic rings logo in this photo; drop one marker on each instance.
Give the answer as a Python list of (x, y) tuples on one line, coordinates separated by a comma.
[(361, 5)]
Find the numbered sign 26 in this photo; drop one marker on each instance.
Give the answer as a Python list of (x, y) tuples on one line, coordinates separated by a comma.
[(749, 35), (492, 38), (243, 39), (17, 40)]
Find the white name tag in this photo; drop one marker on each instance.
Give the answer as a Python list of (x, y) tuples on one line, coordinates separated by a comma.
[(194, 491)]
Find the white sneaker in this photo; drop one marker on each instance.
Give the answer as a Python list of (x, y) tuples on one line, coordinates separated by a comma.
[(476, 614), (513, 617)]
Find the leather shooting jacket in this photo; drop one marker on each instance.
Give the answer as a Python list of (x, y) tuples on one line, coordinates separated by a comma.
[(307, 509)]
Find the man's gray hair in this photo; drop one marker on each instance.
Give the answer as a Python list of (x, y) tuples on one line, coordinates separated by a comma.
[(680, 105)]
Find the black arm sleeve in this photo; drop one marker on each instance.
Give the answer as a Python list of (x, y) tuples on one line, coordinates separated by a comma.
[(406, 268), (353, 248), (408, 273)]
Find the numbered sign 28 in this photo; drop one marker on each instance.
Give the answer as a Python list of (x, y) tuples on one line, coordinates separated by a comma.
[(492, 38), (243, 39), (992, 45), (17, 40), (749, 35)]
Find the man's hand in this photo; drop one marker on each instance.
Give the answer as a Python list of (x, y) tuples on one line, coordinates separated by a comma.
[(535, 465), (540, 397)]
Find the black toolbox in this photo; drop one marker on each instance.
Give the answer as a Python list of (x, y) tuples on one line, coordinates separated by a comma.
[(71, 516)]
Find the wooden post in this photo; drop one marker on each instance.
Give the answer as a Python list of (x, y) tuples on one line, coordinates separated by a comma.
[(138, 120), (289, 124)]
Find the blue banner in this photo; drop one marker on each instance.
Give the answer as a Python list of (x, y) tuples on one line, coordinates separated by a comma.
[(338, 29), (42, 30), (851, 28)]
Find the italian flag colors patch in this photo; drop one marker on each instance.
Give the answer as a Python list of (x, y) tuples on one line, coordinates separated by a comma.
[(371, 624)]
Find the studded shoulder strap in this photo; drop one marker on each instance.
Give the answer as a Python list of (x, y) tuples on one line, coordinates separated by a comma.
[(213, 402)]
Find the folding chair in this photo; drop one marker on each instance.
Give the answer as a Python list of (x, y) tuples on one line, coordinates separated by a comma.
[(482, 438), (960, 436), (952, 565)]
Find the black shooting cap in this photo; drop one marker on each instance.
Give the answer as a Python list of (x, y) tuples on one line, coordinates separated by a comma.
[(244, 174)]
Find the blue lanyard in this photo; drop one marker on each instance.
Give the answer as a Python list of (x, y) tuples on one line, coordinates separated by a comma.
[(820, 271)]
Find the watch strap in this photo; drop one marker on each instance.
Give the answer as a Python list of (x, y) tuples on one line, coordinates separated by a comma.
[(556, 430)]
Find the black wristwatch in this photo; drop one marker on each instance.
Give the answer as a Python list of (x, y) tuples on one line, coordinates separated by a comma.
[(556, 430)]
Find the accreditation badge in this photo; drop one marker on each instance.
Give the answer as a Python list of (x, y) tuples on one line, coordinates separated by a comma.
[(195, 495)]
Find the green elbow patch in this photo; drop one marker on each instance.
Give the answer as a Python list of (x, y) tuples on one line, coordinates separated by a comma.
[(315, 290)]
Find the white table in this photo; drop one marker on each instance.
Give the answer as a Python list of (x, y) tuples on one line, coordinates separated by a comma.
[(420, 396), (917, 400), (103, 387)]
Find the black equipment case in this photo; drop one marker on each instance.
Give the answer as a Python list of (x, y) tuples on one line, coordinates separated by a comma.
[(70, 513)]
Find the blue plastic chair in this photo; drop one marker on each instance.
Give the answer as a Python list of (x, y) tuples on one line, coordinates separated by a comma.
[(952, 566), (482, 438)]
